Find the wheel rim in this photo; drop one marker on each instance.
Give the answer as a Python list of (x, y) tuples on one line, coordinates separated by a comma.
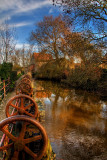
[(24, 88), (20, 143), (21, 104)]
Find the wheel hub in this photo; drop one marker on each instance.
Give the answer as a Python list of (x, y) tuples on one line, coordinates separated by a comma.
[(21, 111), (19, 146)]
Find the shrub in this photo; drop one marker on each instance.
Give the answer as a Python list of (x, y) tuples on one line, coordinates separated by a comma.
[(5, 71), (85, 77), (13, 76), (54, 70), (19, 75)]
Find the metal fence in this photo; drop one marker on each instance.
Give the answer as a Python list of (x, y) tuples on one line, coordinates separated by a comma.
[(4, 87)]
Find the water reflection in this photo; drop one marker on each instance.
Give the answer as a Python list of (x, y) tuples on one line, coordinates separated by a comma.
[(75, 121)]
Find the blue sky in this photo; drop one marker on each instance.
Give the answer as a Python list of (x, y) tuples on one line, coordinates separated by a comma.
[(23, 14)]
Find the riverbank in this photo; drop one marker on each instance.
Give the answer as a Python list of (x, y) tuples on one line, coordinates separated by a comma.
[(100, 91)]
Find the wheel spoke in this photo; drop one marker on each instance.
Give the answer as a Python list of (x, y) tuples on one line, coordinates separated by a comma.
[(27, 150), (32, 139), (18, 89), (14, 114), (22, 103), (6, 147), (30, 129), (14, 106), (30, 105), (25, 91), (23, 130), (8, 134), (29, 114), (15, 155)]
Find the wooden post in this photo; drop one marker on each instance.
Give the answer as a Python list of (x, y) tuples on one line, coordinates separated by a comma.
[(4, 88)]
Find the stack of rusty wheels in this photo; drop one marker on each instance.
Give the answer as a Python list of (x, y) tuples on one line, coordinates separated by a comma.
[(24, 138), (24, 86)]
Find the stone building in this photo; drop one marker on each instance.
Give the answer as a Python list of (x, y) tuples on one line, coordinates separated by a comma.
[(38, 59)]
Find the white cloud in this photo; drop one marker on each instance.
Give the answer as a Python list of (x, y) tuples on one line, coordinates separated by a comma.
[(20, 46), (13, 7), (26, 46), (20, 24), (51, 11), (32, 5), (6, 5)]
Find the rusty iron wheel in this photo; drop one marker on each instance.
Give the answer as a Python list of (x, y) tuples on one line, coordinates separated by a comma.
[(24, 88), (27, 76), (23, 105), (26, 80), (19, 142)]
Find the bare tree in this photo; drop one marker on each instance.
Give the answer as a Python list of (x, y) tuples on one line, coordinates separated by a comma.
[(29, 54), (25, 56), (16, 59), (7, 41), (89, 13)]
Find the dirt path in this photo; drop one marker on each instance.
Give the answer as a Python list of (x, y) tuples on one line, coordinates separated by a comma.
[(3, 104)]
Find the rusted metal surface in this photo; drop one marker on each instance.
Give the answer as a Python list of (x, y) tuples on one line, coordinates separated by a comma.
[(24, 88), (27, 76), (26, 80), (22, 142), (25, 105)]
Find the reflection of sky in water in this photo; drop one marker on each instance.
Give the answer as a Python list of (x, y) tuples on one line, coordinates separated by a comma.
[(47, 101), (104, 107), (104, 110), (52, 95)]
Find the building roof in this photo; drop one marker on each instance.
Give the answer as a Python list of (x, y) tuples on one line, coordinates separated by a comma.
[(42, 57)]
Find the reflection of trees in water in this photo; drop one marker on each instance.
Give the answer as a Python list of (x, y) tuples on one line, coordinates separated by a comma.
[(84, 101), (81, 101), (79, 108), (54, 88), (73, 94), (55, 104)]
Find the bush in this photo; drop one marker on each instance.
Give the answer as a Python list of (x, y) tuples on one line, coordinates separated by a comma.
[(19, 75), (13, 76), (54, 70), (85, 77), (17, 67), (5, 71)]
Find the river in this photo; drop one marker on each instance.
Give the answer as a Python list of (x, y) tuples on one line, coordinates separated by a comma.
[(76, 121)]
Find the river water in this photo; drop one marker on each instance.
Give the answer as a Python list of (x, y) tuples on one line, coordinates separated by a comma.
[(76, 122)]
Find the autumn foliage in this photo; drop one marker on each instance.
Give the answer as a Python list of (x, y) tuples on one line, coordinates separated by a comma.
[(55, 37)]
